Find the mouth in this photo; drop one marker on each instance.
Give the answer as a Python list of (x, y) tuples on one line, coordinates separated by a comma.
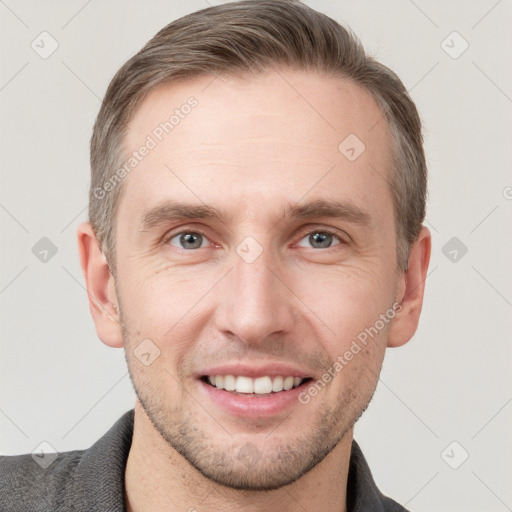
[(263, 386), (254, 391)]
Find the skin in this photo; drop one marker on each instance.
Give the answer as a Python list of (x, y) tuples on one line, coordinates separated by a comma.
[(251, 147)]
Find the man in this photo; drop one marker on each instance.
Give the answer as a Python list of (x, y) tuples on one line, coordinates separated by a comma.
[(255, 243)]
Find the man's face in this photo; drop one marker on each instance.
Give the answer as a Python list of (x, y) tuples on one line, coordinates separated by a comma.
[(268, 289)]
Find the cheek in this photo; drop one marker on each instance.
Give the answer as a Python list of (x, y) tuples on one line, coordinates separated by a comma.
[(145, 309), (347, 300), (164, 306), (156, 298)]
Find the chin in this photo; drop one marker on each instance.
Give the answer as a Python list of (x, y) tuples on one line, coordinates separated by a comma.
[(270, 472)]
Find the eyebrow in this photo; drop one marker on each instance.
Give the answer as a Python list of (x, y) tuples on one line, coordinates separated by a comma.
[(347, 211), (170, 211)]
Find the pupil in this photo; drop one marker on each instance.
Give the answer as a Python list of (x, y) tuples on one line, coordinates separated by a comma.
[(322, 239), (189, 240)]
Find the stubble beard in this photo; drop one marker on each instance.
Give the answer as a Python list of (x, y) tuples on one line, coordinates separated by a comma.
[(239, 463), (235, 461)]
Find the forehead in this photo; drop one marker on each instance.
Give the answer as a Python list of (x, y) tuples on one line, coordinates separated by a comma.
[(250, 141)]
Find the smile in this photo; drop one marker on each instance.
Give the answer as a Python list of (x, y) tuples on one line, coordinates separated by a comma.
[(264, 385)]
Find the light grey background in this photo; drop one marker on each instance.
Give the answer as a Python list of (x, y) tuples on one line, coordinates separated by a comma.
[(60, 384)]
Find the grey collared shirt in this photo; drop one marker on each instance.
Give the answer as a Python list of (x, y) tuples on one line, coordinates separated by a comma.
[(92, 480)]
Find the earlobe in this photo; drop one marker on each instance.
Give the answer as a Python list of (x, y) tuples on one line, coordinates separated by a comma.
[(100, 287), (411, 291)]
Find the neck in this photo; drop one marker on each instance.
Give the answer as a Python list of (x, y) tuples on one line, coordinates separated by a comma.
[(158, 478)]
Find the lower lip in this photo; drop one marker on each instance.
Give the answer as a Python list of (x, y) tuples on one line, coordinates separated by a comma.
[(251, 405)]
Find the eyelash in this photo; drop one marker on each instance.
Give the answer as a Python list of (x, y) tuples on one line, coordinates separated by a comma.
[(327, 231)]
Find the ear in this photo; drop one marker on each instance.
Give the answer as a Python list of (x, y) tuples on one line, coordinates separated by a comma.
[(410, 291), (100, 287)]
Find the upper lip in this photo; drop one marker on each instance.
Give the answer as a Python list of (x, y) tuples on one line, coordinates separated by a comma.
[(254, 370)]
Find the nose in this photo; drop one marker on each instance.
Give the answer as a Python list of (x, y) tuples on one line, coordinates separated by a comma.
[(256, 301)]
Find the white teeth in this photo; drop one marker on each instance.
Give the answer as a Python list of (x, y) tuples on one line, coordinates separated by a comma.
[(229, 383), (259, 386), (288, 383), (244, 385), (277, 385), (262, 385)]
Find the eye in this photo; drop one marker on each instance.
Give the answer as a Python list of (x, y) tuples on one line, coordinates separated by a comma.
[(189, 240), (320, 239)]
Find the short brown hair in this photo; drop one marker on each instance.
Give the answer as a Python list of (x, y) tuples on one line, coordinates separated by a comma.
[(253, 36)]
